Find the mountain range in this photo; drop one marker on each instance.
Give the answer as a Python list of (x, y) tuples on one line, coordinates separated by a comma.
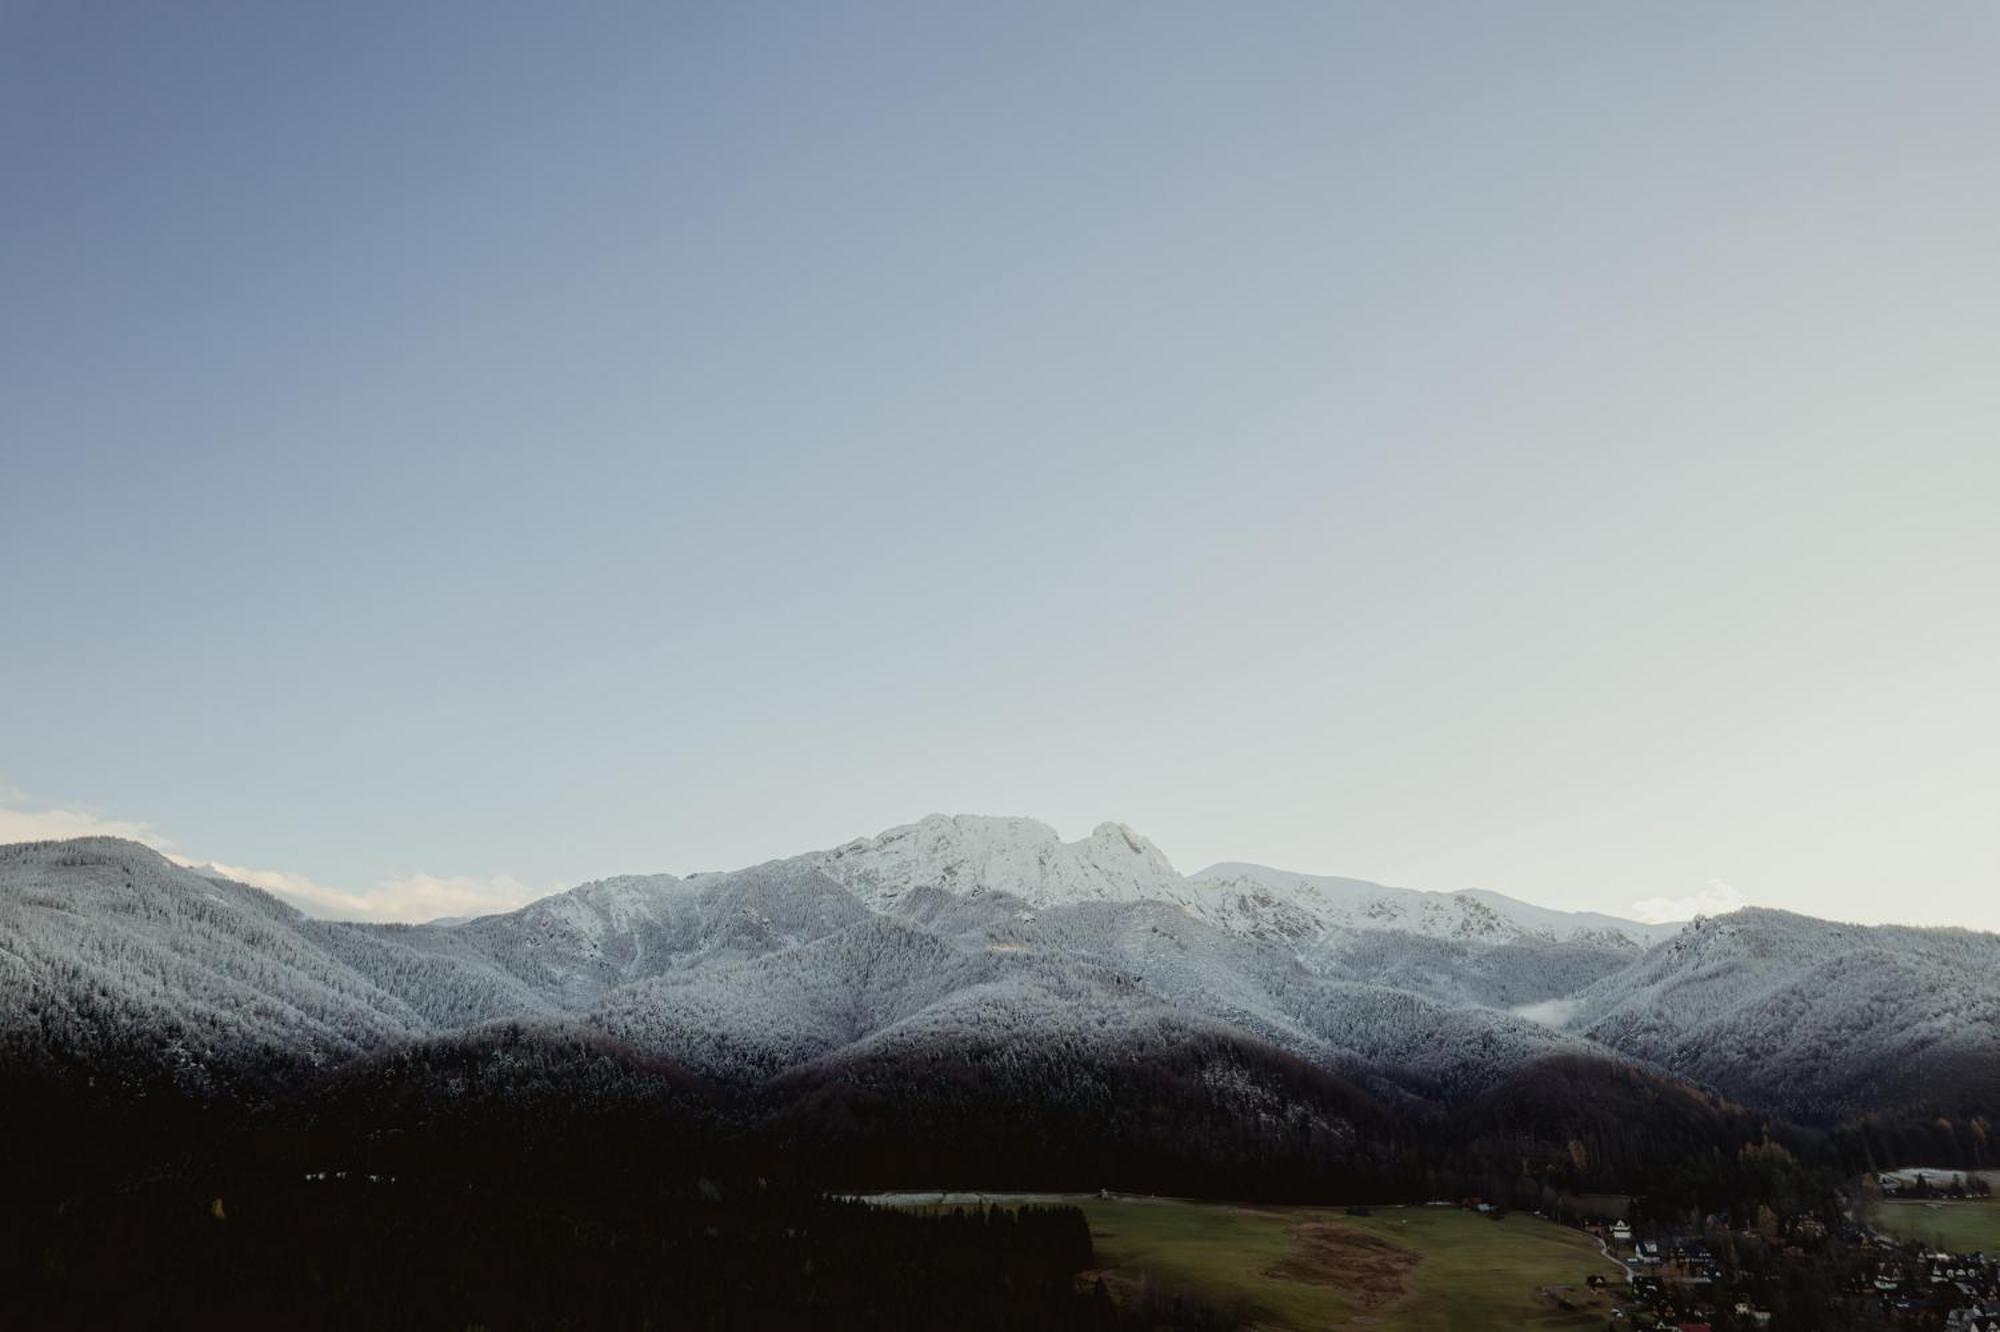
[(957, 932)]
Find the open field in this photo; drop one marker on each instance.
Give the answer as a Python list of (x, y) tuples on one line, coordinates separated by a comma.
[(1401, 1269), (1955, 1226)]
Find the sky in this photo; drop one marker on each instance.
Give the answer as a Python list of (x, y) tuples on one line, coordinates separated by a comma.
[(453, 452)]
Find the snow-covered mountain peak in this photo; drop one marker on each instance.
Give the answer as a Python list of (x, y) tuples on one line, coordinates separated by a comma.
[(972, 854), (1114, 833), (1124, 856)]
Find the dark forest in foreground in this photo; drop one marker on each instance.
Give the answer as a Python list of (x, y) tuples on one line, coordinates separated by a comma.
[(899, 1033), (541, 1177), (644, 1101)]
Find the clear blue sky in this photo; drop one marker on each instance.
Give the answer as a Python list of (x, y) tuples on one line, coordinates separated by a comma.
[(1548, 447)]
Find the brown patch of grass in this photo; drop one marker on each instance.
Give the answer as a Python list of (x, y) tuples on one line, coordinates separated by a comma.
[(1367, 1268)]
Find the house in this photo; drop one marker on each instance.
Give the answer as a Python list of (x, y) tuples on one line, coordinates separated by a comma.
[(1621, 1232)]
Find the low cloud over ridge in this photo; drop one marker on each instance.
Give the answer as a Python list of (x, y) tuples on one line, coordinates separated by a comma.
[(398, 897), (1717, 897)]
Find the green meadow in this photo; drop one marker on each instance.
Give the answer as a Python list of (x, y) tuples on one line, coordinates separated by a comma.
[(1954, 1226), (1401, 1269)]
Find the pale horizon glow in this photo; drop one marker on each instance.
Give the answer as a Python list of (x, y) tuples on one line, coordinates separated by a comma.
[(450, 454)]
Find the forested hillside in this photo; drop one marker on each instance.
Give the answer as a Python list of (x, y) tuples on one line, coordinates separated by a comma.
[(1821, 1021), (1029, 1012)]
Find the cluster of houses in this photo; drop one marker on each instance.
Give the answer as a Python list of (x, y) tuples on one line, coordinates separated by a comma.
[(1922, 1284), (1678, 1285), (1981, 1319), (1687, 1262)]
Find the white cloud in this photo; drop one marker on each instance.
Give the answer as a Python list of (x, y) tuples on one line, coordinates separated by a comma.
[(18, 824), (428, 896), (1715, 898), (403, 897)]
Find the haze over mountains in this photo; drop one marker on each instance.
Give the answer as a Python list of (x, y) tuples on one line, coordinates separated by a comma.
[(957, 932)]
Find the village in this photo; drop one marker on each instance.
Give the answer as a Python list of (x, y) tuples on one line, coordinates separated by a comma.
[(1794, 1276)]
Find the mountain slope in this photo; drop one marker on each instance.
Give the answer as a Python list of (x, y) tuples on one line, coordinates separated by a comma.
[(1818, 1019), (997, 933), (946, 969), (114, 956), (989, 929), (565, 952)]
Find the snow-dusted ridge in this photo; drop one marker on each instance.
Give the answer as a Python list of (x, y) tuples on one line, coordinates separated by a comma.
[(1810, 1016), (1472, 914), (973, 854), (976, 854), (954, 929)]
